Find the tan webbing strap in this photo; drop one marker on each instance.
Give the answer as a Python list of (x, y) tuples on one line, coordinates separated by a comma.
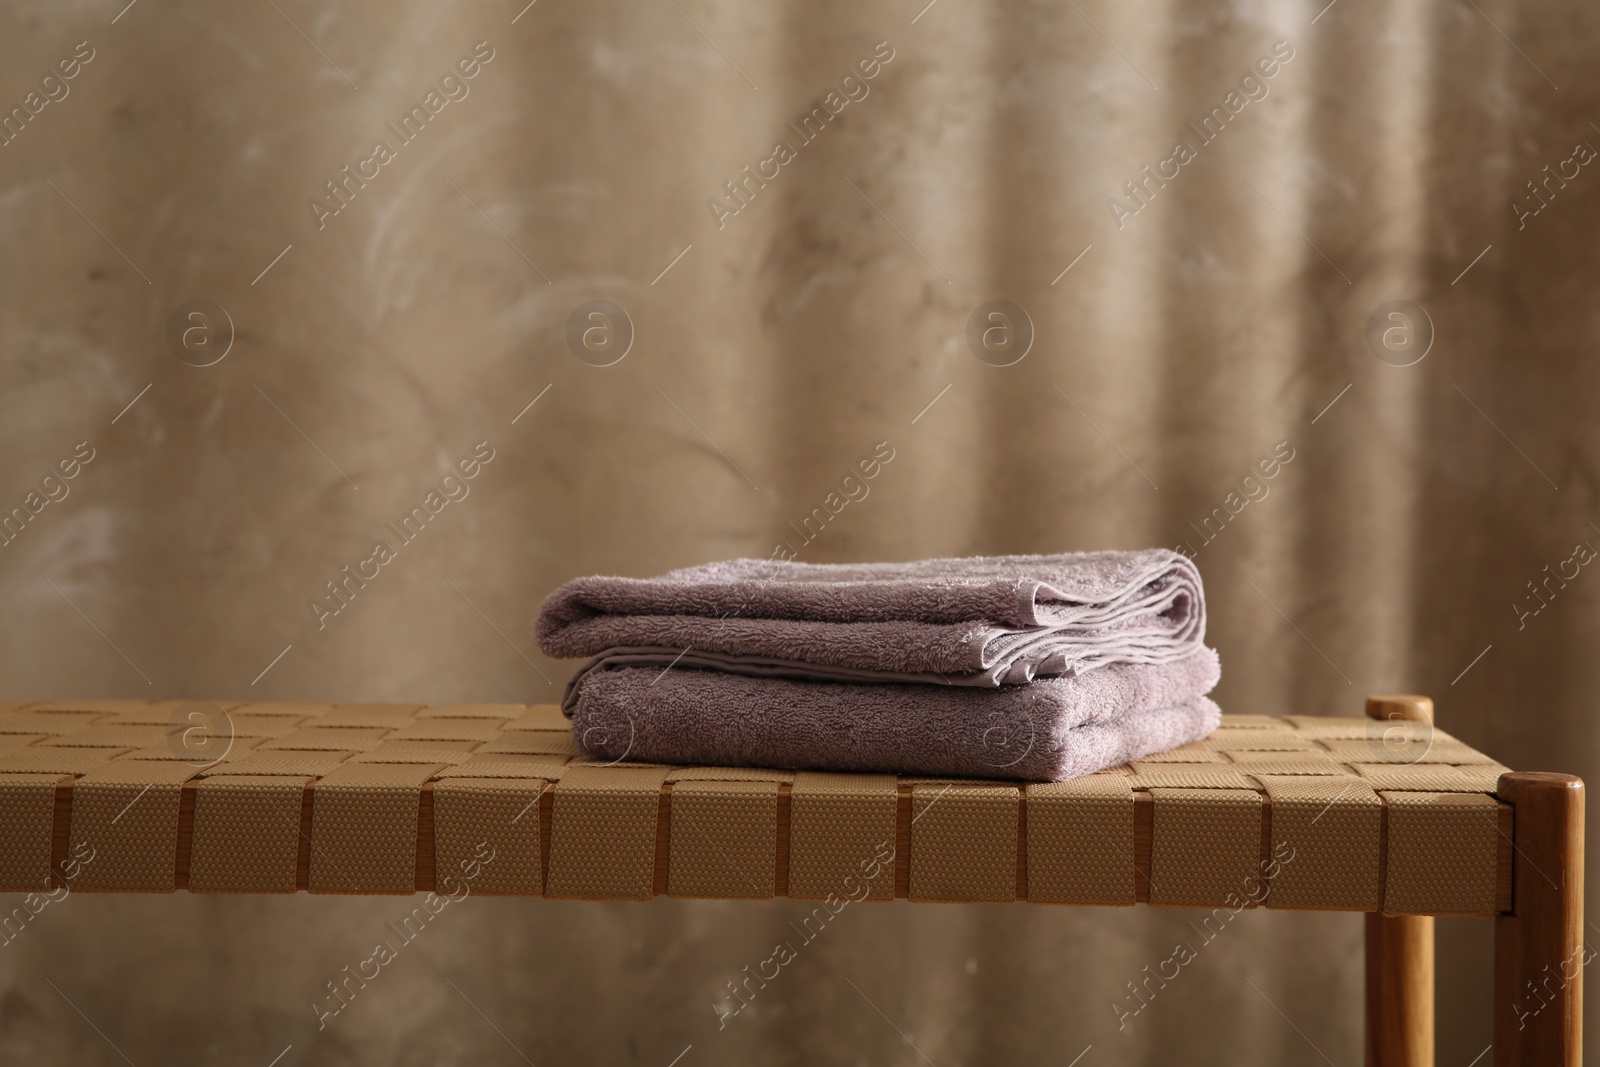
[(1442, 852), (506, 767), (364, 828), (1259, 740), (603, 833), (263, 726), (1349, 727), (448, 753), (1484, 777), (111, 735), (160, 713), (1187, 776), (1417, 778), (172, 749), (1259, 763), (379, 708), (293, 764), (361, 717), (1080, 841), (1205, 845), (546, 717), (964, 842), (173, 713), (1414, 749), (724, 839), (274, 707), (86, 707), (1186, 754), (532, 743), (40, 760), (541, 717), (27, 816), (1245, 759), (449, 729), (503, 712), (1250, 722), (40, 722), (126, 816), (583, 761), (842, 835), (1326, 839), (246, 834), (328, 739), (1457, 753), (486, 835), (729, 774)]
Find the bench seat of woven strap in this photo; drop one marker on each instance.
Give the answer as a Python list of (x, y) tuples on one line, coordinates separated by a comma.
[(1294, 812)]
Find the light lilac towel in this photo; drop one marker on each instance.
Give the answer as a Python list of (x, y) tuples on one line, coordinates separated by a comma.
[(981, 621), (1052, 729)]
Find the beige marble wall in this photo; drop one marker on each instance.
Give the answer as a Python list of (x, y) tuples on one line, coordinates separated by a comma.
[(373, 348)]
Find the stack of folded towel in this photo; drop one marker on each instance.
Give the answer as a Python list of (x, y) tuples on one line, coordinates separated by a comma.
[(1026, 667)]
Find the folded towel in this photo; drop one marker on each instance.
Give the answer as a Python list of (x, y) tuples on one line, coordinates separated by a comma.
[(982, 621), (1053, 729)]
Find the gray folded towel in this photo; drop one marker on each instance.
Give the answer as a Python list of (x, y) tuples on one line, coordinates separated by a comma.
[(982, 621), (1053, 729)]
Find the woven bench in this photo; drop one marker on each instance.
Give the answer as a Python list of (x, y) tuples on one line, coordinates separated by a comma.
[(1384, 815)]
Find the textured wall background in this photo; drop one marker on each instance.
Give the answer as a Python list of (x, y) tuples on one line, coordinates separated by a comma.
[(368, 355)]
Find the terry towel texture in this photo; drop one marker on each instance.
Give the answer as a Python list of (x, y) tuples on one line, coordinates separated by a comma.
[(1054, 729), (1028, 667), (984, 621)]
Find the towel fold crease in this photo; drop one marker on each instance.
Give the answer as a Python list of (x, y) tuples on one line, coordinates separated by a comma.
[(1054, 729), (990, 621), (1021, 667)]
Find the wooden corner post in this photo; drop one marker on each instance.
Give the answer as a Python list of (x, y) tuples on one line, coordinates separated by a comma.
[(1539, 950), (1399, 1030)]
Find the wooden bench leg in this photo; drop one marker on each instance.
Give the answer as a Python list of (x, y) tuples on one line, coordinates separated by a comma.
[(1399, 1029), (1399, 991), (1538, 946)]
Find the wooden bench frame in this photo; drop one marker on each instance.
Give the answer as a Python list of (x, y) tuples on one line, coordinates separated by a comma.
[(1537, 886), (1538, 940)]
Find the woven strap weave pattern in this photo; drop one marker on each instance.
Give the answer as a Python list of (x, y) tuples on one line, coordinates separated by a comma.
[(126, 815), (365, 816), (603, 833), (1294, 812), (497, 817), (246, 833), (1080, 841), (1437, 843), (1205, 846), (27, 814), (1325, 839), (964, 842), (724, 839), (840, 828)]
